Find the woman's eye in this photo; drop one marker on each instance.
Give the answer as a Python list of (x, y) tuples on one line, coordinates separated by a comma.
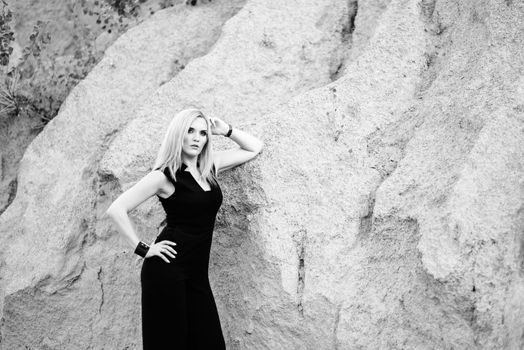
[(190, 131), (203, 133)]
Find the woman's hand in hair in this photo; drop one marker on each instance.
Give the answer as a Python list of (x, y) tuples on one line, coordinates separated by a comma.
[(218, 126), (161, 248)]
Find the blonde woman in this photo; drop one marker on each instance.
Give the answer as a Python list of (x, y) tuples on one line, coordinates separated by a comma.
[(178, 307)]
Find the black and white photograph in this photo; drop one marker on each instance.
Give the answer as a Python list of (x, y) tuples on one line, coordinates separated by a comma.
[(262, 175)]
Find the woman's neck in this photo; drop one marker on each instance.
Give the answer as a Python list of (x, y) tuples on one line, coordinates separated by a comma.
[(190, 162)]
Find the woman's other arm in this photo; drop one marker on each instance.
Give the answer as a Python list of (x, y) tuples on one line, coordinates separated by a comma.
[(148, 186)]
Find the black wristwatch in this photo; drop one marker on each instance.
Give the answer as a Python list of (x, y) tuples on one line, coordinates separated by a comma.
[(229, 131), (141, 249)]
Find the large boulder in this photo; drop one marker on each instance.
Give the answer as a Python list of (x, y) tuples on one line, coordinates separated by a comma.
[(268, 53), (385, 211), (80, 32), (52, 279), (313, 249), (86, 276)]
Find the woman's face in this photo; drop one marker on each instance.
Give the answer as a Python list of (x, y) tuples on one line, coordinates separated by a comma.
[(195, 138)]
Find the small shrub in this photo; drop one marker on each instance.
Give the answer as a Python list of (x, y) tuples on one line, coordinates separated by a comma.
[(16, 85), (6, 34)]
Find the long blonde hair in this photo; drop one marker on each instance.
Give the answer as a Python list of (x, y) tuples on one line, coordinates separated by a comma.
[(170, 152)]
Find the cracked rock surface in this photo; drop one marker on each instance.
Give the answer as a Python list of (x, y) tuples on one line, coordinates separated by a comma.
[(60, 267), (385, 211)]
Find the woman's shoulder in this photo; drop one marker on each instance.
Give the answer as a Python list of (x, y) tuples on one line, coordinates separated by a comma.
[(160, 176), (164, 173), (166, 180)]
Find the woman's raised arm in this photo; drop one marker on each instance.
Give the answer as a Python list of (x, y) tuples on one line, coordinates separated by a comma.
[(250, 146)]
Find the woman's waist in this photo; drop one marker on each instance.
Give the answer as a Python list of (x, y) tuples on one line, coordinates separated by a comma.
[(186, 230), (191, 226), (191, 248)]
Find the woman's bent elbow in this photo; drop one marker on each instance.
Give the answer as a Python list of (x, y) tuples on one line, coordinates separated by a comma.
[(112, 211), (107, 213)]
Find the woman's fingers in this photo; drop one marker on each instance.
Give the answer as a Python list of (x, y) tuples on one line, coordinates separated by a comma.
[(161, 249), (217, 121), (164, 248), (170, 255), (166, 251), (163, 257), (169, 248)]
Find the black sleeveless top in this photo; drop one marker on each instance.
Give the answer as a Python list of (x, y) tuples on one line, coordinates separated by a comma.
[(190, 207)]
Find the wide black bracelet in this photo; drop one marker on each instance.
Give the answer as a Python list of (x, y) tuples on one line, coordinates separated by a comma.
[(229, 131), (141, 249)]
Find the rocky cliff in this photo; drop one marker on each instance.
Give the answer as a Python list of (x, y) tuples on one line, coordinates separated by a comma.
[(385, 211)]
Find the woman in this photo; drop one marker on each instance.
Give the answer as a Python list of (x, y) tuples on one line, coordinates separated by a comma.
[(178, 308)]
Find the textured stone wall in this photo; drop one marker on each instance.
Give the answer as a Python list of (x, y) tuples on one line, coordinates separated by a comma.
[(77, 43), (65, 282), (385, 211)]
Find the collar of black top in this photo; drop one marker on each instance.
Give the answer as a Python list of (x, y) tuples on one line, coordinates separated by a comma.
[(184, 166)]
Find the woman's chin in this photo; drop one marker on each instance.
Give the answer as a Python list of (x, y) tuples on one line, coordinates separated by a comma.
[(192, 152)]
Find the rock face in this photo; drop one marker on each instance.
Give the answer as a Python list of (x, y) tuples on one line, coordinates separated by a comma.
[(385, 211), (77, 43), (57, 267)]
